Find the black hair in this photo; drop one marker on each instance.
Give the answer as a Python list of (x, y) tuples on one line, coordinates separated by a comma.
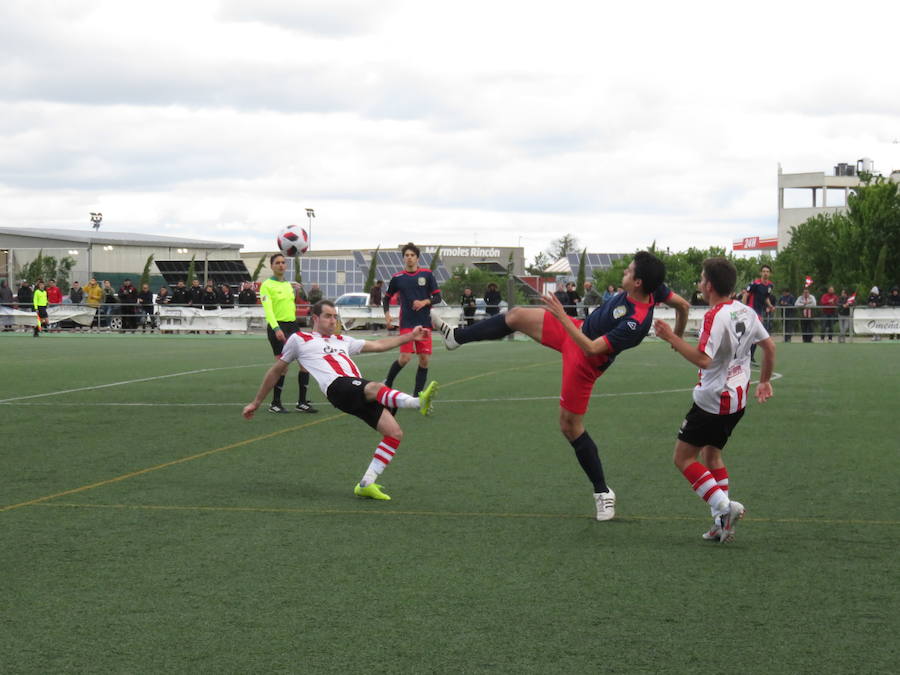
[(721, 274), (316, 309), (275, 255), (650, 270), (765, 266), (410, 247)]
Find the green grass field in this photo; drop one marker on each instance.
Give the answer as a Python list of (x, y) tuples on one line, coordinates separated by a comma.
[(146, 527)]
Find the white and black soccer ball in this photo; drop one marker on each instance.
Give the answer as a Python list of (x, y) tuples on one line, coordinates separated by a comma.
[(293, 241)]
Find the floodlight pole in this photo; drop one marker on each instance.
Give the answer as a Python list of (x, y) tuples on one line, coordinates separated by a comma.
[(310, 214)]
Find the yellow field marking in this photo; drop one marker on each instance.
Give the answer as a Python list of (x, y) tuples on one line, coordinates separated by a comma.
[(150, 469), (388, 511), (239, 444)]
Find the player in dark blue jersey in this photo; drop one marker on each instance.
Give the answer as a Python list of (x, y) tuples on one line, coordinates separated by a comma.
[(416, 290), (759, 296), (588, 348)]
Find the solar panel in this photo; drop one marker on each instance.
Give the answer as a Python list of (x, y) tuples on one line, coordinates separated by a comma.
[(231, 272), (592, 262)]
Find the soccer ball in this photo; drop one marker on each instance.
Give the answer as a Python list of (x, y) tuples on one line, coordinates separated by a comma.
[(293, 240)]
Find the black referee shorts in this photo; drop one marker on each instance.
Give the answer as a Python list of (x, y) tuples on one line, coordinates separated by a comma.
[(288, 328), (347, 394), (702, 428)]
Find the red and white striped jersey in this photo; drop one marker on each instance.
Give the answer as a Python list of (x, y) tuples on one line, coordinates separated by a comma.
[(326, 358), (729, 329)]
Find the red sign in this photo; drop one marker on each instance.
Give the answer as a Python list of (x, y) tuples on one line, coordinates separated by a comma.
[(755, 243)]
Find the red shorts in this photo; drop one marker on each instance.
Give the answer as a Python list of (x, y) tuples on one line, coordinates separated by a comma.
[(579, 371), (416, 346)]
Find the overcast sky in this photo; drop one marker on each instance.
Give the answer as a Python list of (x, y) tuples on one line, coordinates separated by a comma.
[(465, 122)]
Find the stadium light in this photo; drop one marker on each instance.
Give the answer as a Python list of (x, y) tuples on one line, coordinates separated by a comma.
[(310, 214), (96, 219)]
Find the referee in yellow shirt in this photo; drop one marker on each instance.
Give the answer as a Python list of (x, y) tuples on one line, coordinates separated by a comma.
[(277, 298)]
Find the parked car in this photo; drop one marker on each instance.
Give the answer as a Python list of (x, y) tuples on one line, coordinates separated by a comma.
[(352, 301)]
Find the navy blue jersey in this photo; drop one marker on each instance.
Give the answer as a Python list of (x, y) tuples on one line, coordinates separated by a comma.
[(759, 290), (411, 286), (622, 321)]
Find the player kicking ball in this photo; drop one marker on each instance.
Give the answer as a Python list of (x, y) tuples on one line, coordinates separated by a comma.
[(587, 347), (729, 330), (327, 358)]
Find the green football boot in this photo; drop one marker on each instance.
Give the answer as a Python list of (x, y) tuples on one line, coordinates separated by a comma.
[(371, 491), (426, 397)]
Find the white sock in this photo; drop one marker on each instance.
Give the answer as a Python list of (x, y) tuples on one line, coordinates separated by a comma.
[(384, 453)]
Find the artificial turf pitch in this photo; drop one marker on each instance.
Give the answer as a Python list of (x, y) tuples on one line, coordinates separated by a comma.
[(146, 527)]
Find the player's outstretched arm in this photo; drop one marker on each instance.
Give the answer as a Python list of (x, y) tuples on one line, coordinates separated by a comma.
[(688, 351), (682, 307), (764, 388), (588, 346), (277, 370), (384, 344)]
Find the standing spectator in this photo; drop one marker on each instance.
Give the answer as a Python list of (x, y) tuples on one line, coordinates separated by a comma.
[(76, 294), (54, 295), (109, 302), (893, 300), (315, 294), (39, 300), (128, 296), (247, 296), (609, 292), (492, 299), (787, 302), (467, 301), (697, 297), (758, 295), (875, 300), (806, 302), (145, 303), (6, 302), (844, 302), (162, 296), (208, 299), (591, 299), (25, 297), (574, 299), (180, 295), (828, 302), (93, 298), (225, 297), (376, 294), (195, 294)]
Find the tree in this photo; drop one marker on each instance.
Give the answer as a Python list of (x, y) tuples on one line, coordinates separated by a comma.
[(298, 272), (581, 265), (435, 259), (560, 248), (373, 270), (145, 275), (259, 266), (538, 265), (46, 267), (191, 273)]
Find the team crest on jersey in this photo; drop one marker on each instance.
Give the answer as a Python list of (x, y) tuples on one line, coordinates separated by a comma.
[(619, 312), (421, 281)]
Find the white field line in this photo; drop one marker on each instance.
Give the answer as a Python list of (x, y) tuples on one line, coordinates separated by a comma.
[(440, 401), (124, 382)]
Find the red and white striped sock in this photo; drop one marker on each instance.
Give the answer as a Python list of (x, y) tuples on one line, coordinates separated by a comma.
[(706, 487), (721, 476), (384, 453), (391, 398)]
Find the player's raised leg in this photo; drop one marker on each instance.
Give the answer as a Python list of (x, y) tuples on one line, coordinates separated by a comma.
[(528, 320)]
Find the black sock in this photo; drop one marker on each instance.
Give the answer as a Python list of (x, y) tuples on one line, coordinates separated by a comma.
[(392, 373), (494, 328), (589, 458), (303, 381), (276, 397), (421, 376)]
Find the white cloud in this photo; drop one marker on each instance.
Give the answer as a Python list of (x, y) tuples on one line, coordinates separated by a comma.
[(445, 123)]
